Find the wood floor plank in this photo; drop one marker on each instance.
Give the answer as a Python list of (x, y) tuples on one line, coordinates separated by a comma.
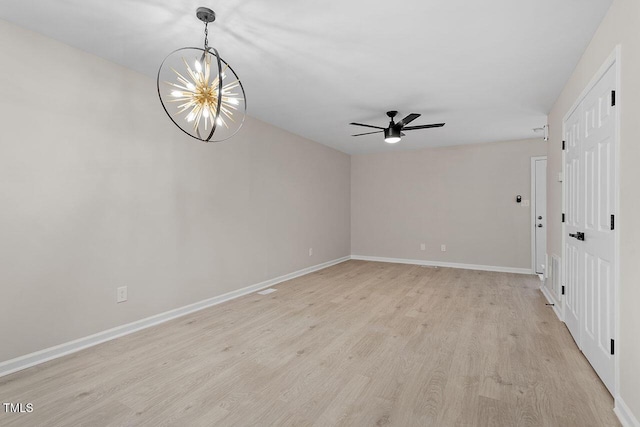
[(359, 343)]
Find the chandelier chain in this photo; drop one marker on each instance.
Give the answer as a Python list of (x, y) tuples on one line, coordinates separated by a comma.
[(206, 36)]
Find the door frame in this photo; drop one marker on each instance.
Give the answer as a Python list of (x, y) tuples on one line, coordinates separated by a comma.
[(533, 216), (613, 60)]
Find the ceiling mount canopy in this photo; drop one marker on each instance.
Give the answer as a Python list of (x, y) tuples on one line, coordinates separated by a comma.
[(206, 15), (199, 90)]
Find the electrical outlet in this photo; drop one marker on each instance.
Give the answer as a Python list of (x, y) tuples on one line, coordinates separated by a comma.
[(423, 247), (443, 248), (121, 294), (310, 251)]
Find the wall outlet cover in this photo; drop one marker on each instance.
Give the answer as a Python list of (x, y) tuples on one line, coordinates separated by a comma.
[(121, 294), (423, 247)]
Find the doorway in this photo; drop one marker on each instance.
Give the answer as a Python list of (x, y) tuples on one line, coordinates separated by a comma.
[(539, 214)]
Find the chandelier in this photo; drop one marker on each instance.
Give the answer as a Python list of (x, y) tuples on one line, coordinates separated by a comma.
[(199, 90)]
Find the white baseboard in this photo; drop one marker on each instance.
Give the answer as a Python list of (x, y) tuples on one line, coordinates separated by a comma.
[(626, 417), (552, 300), (444, 264), (55, 352)]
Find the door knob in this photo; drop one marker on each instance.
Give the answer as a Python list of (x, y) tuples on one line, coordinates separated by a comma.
[(539, 225), (578, 235)]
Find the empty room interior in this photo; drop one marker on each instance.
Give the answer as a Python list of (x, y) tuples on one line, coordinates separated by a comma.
[(339, 213)]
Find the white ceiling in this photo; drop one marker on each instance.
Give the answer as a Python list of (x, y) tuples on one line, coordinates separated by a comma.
[(490, 69)]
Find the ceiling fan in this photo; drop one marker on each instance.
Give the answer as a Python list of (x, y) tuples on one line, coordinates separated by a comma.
[(393, 133)]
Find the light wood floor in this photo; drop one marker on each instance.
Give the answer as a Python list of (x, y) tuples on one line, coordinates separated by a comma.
[(357, 344)]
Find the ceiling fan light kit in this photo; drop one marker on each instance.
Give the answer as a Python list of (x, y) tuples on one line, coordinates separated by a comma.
[(392, 135), (199, 90), (394, 132)]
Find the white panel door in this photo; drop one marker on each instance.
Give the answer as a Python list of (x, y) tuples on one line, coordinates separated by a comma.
[(598, 251), (540, 221), (574, 222), (590, 194)]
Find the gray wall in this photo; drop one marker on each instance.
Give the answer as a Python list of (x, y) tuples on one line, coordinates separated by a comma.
[(99, 190), (619, 27), (462, 196)]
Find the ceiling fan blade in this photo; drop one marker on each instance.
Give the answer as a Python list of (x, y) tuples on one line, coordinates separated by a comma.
[(435, 125), (368, 133), (367, 126), (411, 117)]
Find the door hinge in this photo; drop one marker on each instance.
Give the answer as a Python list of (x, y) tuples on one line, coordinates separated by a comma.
[(613, 346), (613, 98), (564, 145), (613, 221), (562, 217), (562, 289)]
